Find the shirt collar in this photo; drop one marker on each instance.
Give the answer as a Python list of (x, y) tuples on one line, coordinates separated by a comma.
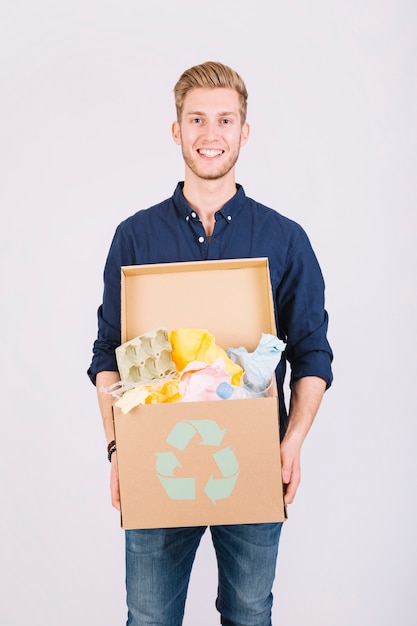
[(228, 210)]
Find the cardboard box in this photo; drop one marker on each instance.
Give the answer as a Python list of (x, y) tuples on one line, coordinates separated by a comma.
[(200, 463)]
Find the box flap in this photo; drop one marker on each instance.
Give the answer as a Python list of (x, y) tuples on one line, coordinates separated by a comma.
[(232, 299)]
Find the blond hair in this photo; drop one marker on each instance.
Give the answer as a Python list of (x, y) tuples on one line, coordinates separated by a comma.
[(210, 75)]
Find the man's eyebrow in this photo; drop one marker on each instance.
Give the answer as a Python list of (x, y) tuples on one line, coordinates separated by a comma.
[(221, 114)]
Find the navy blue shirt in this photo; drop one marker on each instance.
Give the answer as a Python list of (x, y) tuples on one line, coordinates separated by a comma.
[(172, 232)]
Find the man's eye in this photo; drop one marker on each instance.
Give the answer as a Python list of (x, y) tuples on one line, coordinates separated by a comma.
[(226, 121), (196, 120)]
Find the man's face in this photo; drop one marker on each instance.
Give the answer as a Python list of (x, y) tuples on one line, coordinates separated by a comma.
[(210, 131)]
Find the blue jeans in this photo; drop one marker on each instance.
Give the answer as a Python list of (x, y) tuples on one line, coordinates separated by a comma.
[(158, 568)]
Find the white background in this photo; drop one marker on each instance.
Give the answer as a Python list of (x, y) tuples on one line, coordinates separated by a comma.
[(85, 110)]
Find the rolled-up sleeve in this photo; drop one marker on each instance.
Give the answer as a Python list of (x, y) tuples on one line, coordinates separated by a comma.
[(108, 314), (301, 312)]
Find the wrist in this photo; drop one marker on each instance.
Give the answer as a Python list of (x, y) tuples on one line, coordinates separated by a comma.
[(294, 436), (111, 448)]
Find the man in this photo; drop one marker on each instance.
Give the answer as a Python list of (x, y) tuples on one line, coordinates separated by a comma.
[(210, 217)]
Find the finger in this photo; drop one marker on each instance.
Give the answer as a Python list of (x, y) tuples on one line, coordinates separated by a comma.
[(290, 488), (114, 484), (286, 474), (116, 502), (115, 496), (289, 491), (286, 469)]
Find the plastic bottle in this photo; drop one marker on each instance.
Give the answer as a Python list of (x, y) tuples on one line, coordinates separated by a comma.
[(225, 391)]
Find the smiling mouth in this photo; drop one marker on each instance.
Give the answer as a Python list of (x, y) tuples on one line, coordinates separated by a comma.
[(210, 153)]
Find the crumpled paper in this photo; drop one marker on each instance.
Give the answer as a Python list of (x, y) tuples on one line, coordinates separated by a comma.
[(195, 344), (146, 357), (158, 393), (199, 381), (259, 365)]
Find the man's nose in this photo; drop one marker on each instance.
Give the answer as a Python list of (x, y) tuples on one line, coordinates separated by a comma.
[(211, 131)]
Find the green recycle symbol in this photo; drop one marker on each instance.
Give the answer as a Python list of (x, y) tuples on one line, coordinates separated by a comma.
[(226, 461)]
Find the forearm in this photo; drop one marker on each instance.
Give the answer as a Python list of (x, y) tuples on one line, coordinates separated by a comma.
[(105, 400), (306, 396)]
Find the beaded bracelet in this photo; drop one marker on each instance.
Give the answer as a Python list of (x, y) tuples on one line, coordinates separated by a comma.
[(110, 449)]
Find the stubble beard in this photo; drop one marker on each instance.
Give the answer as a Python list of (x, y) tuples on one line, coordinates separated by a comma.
[(223, 170)]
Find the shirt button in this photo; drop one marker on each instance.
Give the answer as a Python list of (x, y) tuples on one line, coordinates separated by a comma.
[(229, 217), (201, 239), (193, 214), (187, 218)]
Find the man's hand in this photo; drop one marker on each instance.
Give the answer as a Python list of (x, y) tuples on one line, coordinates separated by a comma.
[(105, 380), (114, 482), (291, 471)]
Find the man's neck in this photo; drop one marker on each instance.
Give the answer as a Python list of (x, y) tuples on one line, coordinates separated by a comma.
[(206, 197)]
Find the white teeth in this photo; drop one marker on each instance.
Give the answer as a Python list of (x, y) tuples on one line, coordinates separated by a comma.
[(210, 153)]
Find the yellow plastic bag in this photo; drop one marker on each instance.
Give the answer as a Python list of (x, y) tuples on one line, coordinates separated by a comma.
[(196, 344)]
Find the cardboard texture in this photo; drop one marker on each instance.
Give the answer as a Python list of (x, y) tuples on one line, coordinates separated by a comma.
[(200, 463)]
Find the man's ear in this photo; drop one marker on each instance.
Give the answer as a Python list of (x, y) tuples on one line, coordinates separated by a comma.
[(176, 132), (244, 133)]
